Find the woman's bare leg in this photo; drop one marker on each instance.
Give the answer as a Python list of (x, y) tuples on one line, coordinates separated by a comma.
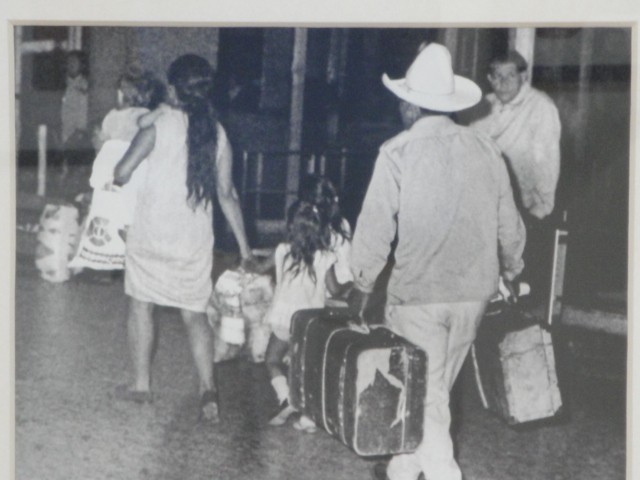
[(201, 341), (140, 331)]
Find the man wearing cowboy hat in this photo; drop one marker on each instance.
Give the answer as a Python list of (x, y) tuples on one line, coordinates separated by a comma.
[(444, 190)]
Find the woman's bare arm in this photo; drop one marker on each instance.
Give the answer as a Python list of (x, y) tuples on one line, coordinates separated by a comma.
[(140, 148), (228, 197)]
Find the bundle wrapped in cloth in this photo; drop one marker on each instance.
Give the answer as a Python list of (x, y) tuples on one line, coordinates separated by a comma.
[(236, 311), (57, 240)]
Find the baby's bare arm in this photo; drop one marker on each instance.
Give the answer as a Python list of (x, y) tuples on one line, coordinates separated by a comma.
[(148, 119)]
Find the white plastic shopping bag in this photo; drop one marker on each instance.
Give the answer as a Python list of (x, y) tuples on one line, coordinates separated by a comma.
[(57, 240), (102, 174), (102, 245)]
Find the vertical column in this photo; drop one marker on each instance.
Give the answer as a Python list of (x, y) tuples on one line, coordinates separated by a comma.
[(523, 41), (75, 38), (298, 69), (42, 160), (370, 69), (582, 109), (276, 68), (450, 40), (333, 64)]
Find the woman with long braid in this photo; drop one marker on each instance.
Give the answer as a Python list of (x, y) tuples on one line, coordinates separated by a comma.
[(170, 243)]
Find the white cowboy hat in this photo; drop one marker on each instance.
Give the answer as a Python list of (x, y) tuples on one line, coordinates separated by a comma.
[(431, 84)]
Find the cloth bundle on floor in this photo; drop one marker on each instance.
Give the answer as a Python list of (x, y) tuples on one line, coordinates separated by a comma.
[(57, 241), (236, 311)]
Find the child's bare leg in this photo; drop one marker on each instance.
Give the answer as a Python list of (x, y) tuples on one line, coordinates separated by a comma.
[(276, 350)]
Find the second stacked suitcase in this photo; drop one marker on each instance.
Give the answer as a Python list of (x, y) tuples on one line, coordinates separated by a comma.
[(366, 389), (515, 367)]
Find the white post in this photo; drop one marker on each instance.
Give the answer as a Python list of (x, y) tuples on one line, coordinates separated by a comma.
[(523, 40), (311, 164), (42, 160), (75, 38), (298, 70)]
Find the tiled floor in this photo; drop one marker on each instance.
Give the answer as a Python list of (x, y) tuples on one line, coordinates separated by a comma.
[(71, 353)]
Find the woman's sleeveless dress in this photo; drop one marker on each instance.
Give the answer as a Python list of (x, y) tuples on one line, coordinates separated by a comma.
[(170, 244)]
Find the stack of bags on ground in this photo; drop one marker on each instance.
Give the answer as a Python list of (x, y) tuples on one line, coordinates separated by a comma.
[(236, 313)]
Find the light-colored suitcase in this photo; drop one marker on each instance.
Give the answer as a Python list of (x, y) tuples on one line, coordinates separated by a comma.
[(513, 355), (515, 371)]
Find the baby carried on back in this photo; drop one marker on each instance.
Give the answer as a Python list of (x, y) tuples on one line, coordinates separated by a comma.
[(102, 243)]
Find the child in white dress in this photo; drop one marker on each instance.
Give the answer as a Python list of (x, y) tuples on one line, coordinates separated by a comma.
[(319, 191), (304, 272), (138, 93)]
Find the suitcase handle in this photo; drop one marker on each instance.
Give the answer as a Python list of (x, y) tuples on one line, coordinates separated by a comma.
[(353, 321)]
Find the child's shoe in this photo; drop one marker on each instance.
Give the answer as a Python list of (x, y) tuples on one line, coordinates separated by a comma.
[(284, 412), (305, 424)]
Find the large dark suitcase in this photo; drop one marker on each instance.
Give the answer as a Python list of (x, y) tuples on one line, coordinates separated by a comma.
[(515, 369), (366, 389)]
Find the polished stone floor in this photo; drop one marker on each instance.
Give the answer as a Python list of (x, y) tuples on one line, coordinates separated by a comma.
[(71, 353)]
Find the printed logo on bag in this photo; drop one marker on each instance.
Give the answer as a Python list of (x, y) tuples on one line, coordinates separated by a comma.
[(98, 231)]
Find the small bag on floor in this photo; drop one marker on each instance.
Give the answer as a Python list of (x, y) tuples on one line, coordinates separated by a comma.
[(236, 311), (255, 299), (102, 245)]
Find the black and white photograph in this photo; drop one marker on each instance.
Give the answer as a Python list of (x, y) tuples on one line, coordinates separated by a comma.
[(307, 252)]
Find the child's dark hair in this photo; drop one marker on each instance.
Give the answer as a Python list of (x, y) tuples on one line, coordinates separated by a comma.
[(192, 77), (318, 190), (306, 234), (147, 92)]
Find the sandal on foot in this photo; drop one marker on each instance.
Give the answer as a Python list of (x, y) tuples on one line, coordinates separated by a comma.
[(209, 407), (284, 412), (305, 424), (124, 393)]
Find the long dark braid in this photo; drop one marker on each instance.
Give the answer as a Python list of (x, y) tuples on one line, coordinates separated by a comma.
[(192, 78)]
